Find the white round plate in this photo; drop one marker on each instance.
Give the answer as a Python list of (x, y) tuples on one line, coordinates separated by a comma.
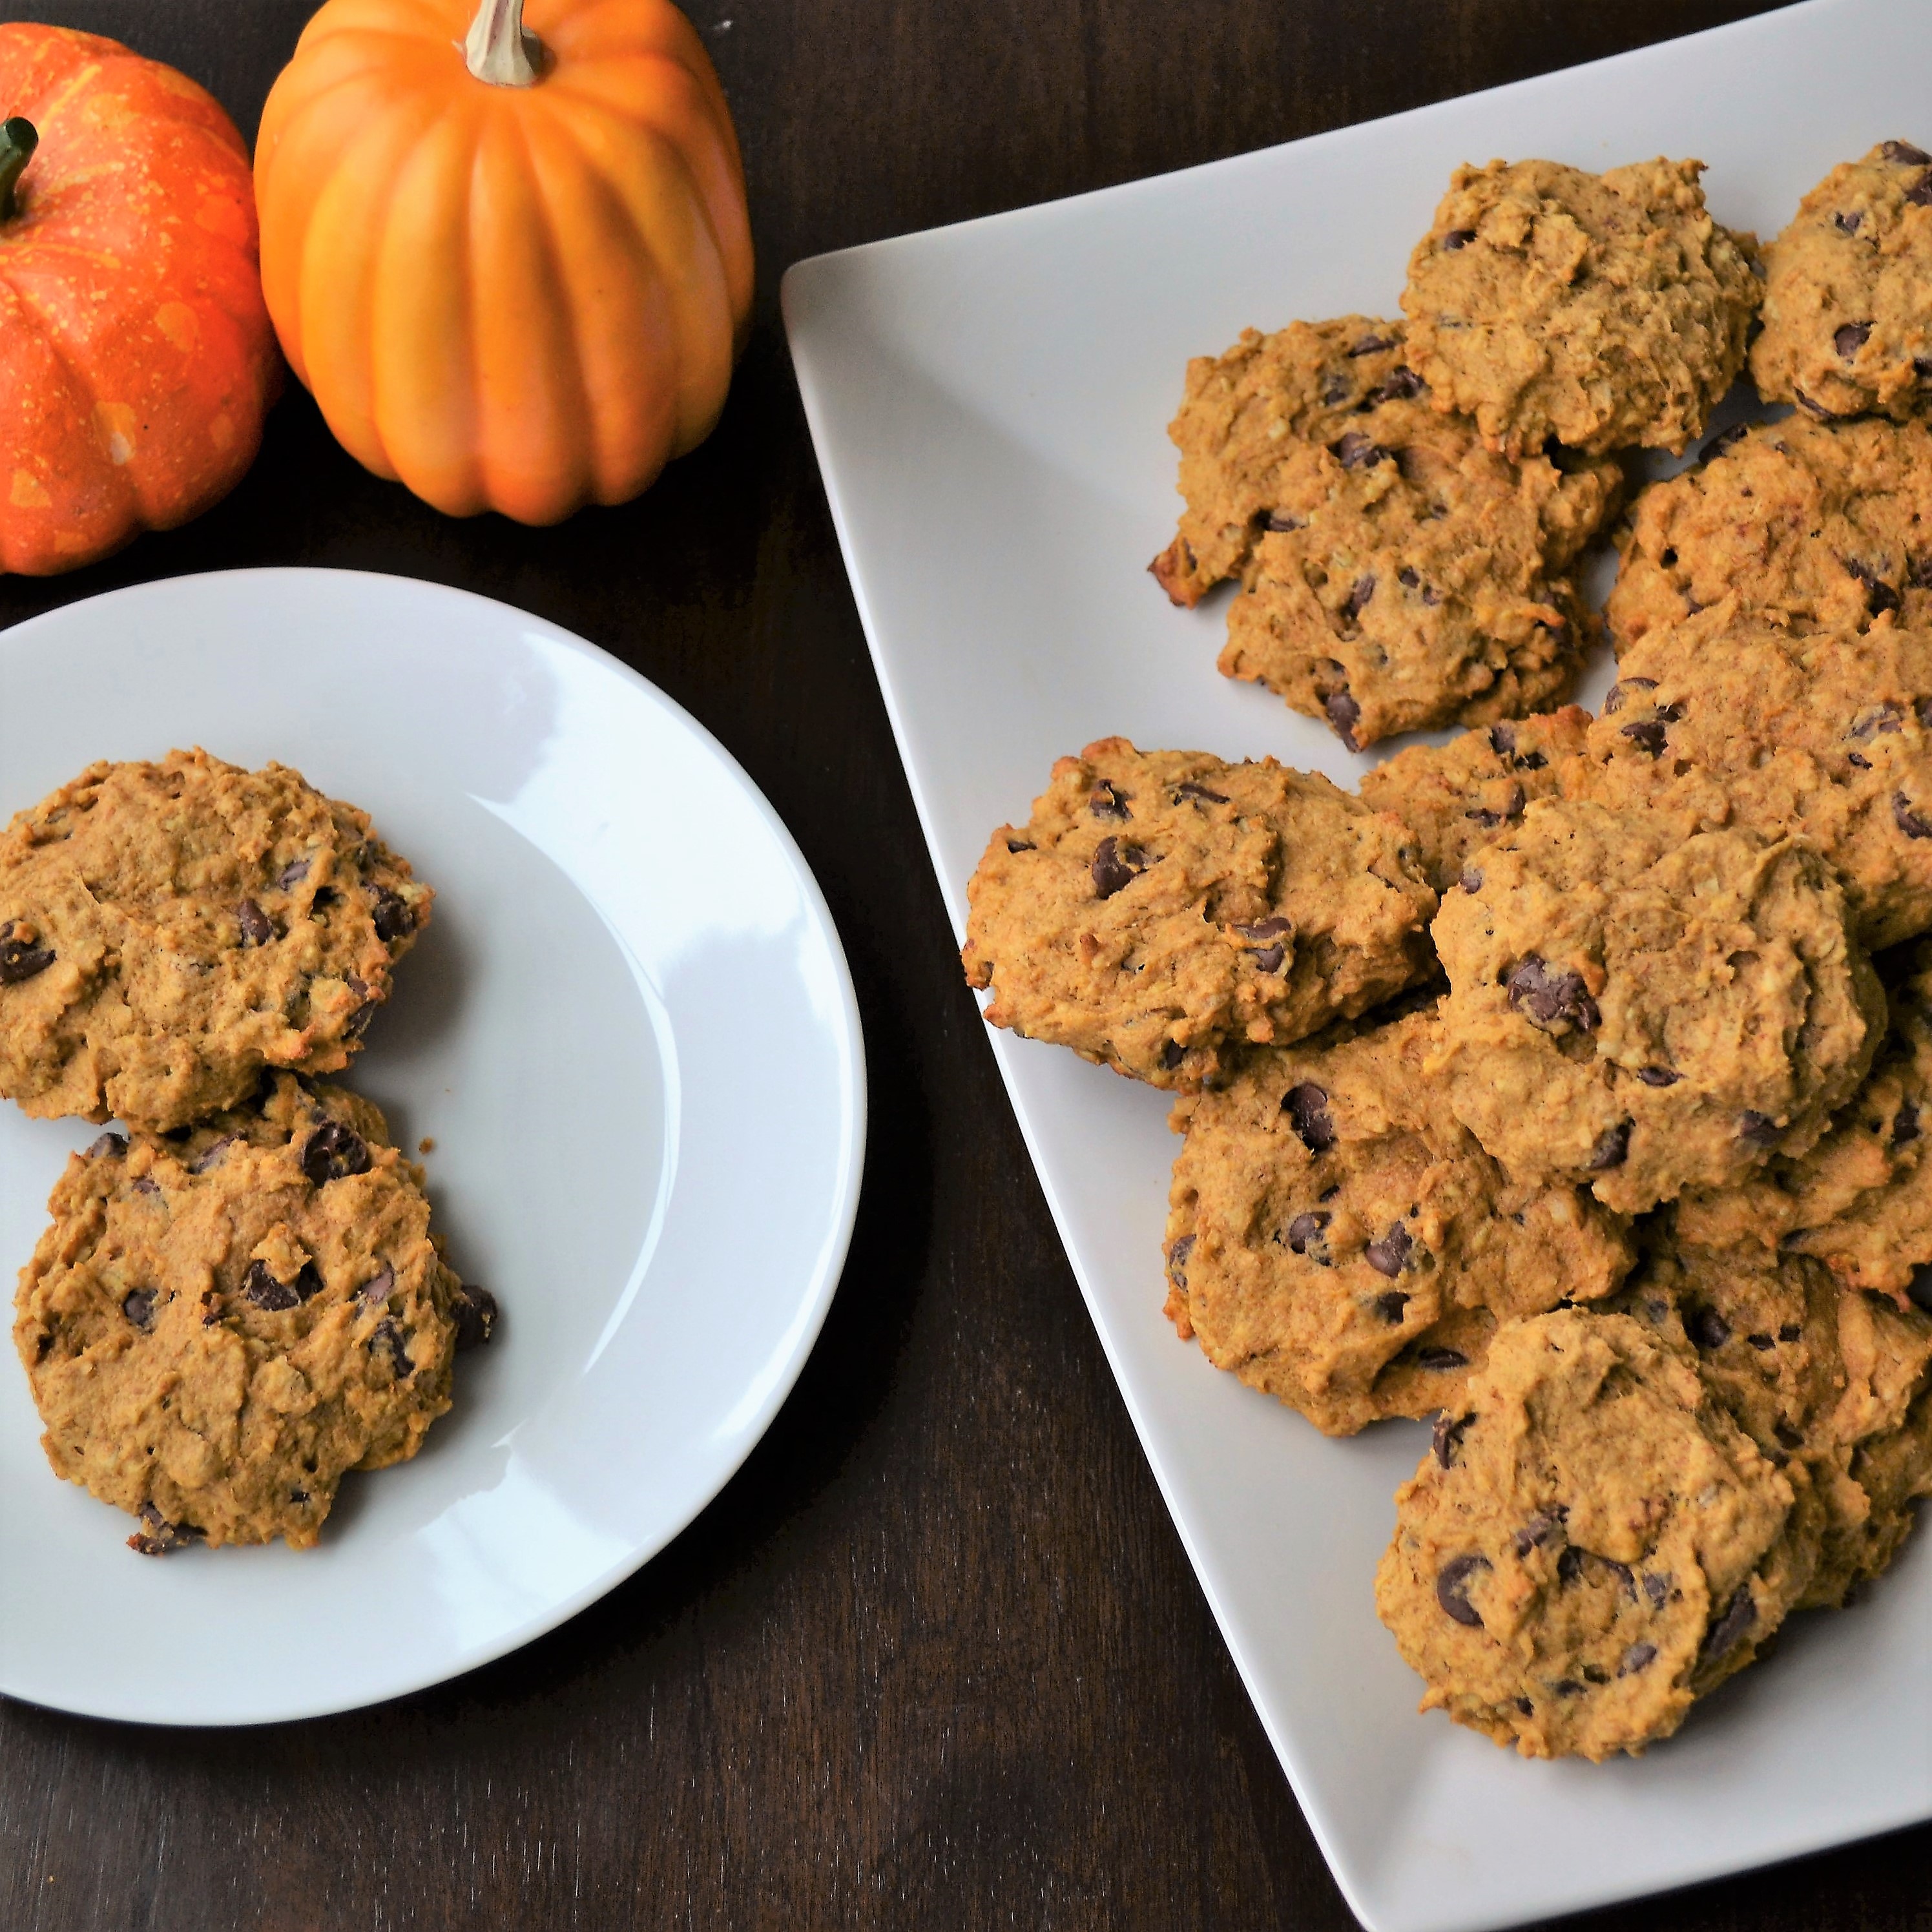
[(631, 1034)]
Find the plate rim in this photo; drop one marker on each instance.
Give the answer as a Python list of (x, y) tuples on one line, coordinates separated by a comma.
[(841, 1220)]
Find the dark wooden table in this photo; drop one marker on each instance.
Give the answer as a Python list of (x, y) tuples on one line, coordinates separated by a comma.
[(934, 1658)]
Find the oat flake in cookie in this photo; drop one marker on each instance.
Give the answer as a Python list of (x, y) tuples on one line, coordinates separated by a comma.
[(1159, 905), (1848, 292), (167, 931), (1603, 310), (1645, 1011), (1335, 1238), (1395, 574), (219, 1323), (1592, 1544)]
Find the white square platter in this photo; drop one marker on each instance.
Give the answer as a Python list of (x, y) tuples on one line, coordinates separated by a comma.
[(988, 402)]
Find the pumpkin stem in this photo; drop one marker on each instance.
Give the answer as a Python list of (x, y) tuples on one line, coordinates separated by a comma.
[(498, 50), (19, 138)]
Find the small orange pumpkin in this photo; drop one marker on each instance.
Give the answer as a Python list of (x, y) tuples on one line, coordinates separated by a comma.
[(513, 264), (137, 361)]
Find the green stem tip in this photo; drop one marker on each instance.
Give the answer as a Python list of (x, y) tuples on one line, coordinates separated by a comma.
[(19, 138)]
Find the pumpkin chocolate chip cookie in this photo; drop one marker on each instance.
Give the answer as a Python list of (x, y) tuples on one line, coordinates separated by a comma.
[(1817, 526), (1591, 1544), (1647, 1012), (1336, 1239), (220, 1322), (1823, 736), (1848, 292), (1603, 310), (1455, 797), (1159, 905), (168, 931), (1395, 574)]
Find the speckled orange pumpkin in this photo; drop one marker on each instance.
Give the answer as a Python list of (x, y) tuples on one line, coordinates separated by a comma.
[(137, 360), (515, 267)]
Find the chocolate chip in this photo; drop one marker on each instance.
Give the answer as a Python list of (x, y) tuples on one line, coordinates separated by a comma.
[(1639, 1657), (1448, 1436), (1354, 451), (211, 1155), (1369, 344), (21, 959), (108, 1147), (1619, 694), (474, 1311), (1862, 764), (1523, 1705), (1306, 1106), (260, 1287), (1552, 1000), (1107, 800), (334, 1153), (1304, 1238), (1790, 1332), (393, 918), (1390, 1255), (388, 1337), (257, 929), (1760, 1342), (1357, 599), (1706, 1327), (1569, 1565), (144, 1185), (379, 1287), (1187, 788), (1758, 1130), (1658, 1076), (298, 1497), (291, 875), (1849, 340), (1458, 238), (1452, 1588), (1905, 152), (1407, 578), (157, 1536), (1513, 809), (1280, 522), (1647, 734), (1739, 1615), (1919, 194), (1880, 717), (1909, 822), (1905, 1123), (1270, 953), (1343, 713), (1471, 878), (1172, 1055), (1538, 1531), (1918, 1289), (1847, 224), (1021, 845), (1336, 388), (1611, 1149), (1398, 385), (1389, 1307), (1440, 1359), (1656, 1588), (1115, 866), (1724, 440), (1879, 596), (139, 1307), (1502, 741)]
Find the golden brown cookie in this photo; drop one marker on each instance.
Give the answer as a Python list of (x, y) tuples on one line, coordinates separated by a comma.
[(1816, 526), (1592, 1542), (1848, 292), (168, 931), (1645, 1011), (1159, 905), (1603, 310), (1334, 1238), (220, 1322), (1455, 796), (1731, 721), (1395, 574)]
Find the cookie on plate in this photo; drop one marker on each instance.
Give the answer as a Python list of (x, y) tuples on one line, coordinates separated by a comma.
[(1160, 905), (1455, 796), (1336, 1239), (1861, 1200), (1848, 292), (1604, 310), (220, 1323), (1823, 736), (168, 931), (1645, 1011), (1816, 526), (1395, 574), (1592, 1544)]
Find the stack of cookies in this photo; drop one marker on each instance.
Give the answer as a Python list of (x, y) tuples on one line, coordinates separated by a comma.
[(1573, 1084), (239, 1298)]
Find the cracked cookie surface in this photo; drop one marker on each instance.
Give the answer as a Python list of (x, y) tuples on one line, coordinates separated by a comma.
[(219, 1323), (1159, 906), (168, 931), (1394, 573), (1606, 310), (1335, 1238)]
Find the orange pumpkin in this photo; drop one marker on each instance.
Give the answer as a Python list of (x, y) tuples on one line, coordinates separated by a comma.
[(511, 260), (137, 361)]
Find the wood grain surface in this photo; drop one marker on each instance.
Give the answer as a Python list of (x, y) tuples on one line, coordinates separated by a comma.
[(935, 1658)]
